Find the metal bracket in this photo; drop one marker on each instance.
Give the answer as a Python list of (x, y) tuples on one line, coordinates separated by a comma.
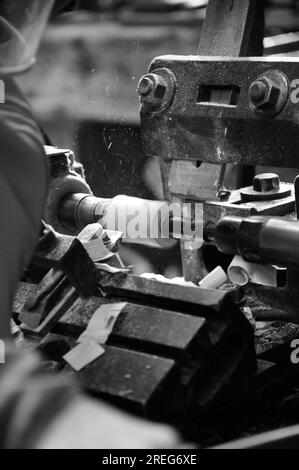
[(198, 127)]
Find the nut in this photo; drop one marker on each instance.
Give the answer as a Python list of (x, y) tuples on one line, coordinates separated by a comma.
[(145, 86), (266, 182), (257, 91), (151, 89), (269, 93), (264, 94)]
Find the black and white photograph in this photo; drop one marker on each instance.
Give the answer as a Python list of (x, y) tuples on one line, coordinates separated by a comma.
[(149, 240)]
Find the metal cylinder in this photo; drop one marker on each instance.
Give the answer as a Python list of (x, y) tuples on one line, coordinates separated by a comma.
[(119, 213), (78, 210), (260, 239)]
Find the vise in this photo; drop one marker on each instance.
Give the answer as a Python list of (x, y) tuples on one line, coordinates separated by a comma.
[(173, 351)]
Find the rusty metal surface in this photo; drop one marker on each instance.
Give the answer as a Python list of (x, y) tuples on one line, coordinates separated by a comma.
[(232, 28), (162, 330), (269, 241), (194, 129), (169, 343), (187, 299), (68, 256), (214, 211), (177, 354), (125, 377), (66, 272), (172, 347)]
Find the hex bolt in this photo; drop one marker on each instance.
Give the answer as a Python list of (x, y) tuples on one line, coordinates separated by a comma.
[(145, 86), (257, 91), (264, 93), (268, 93), (266, 187), (151, 89), (266, 182)]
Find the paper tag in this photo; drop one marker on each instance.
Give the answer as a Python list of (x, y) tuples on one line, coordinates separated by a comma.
[(102, 322), (97, 250), (83, 354)]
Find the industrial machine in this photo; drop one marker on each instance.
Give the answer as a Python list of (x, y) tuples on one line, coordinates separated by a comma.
[(177, 353)]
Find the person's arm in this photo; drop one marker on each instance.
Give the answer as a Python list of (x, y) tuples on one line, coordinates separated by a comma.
[(39, 409), (23, 187), (29, 398)]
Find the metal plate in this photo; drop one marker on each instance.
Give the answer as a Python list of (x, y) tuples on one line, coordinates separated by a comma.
[(222, 132)]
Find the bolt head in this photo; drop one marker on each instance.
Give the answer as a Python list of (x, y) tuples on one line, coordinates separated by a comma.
[(266, 182), (145, 86), (152, 89), (257, 91), (156, 91), (264, 94)]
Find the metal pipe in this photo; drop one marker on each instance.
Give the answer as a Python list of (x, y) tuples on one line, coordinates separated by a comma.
[(120, 213), (267, 240)]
